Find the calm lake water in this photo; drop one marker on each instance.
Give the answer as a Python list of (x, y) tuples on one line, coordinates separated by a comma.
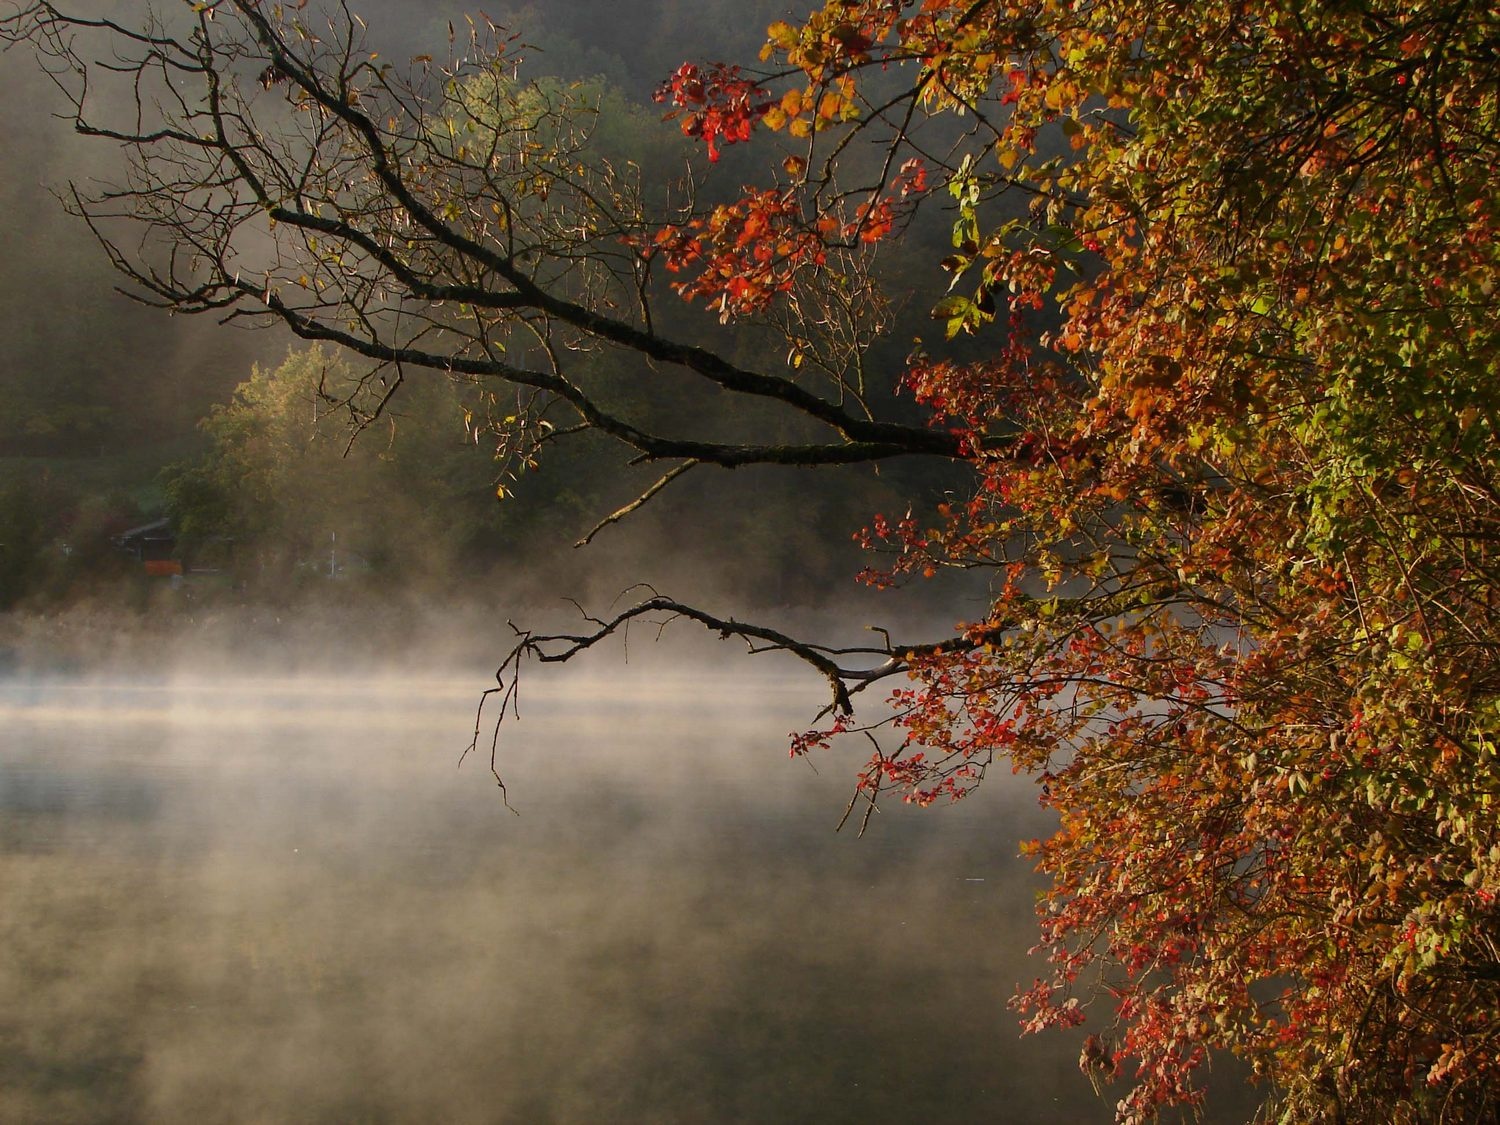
[(263, 900)]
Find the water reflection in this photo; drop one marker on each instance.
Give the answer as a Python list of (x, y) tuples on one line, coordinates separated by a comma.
[(231, 900)]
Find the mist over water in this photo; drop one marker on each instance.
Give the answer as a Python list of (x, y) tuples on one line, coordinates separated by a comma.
[(249, 898)]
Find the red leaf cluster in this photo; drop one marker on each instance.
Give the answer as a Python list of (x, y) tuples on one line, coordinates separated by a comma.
[(714, 103)]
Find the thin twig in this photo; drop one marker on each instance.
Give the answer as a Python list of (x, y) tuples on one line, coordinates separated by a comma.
[(638, 502)]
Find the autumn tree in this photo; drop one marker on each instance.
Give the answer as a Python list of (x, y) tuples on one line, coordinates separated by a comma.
[(1216, 352)]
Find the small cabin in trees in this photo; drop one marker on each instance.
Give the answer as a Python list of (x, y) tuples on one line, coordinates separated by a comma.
[(152, 544)]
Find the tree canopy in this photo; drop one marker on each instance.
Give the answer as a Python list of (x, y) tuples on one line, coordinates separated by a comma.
[(281, 479), (1215, 353)]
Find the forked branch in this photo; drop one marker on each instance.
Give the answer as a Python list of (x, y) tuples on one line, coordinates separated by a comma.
[(847, 670)]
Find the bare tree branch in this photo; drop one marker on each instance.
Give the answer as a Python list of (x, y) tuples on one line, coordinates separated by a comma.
[(422, 219), (619, 514)]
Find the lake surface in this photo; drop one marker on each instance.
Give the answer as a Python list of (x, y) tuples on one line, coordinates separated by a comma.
[(276, 900)]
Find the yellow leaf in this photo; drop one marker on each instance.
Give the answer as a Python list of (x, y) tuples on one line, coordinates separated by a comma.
[(783, 34)]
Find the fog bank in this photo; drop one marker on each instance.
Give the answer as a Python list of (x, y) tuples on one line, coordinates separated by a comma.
[(252, 899)]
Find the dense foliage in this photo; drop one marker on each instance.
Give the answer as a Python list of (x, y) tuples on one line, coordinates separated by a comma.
[(284, 485), (1217, 356), (1244, 624)]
